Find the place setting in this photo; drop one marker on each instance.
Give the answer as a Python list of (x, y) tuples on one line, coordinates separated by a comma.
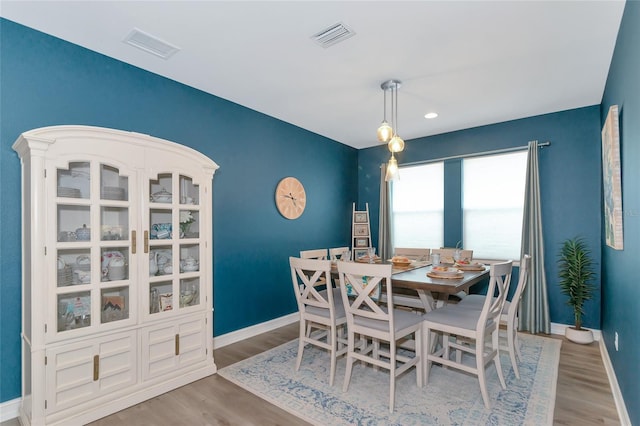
[(400, 261), (465, 265), (445, 272)]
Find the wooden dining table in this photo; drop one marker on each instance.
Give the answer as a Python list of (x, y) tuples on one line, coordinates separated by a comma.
[(429, 290)]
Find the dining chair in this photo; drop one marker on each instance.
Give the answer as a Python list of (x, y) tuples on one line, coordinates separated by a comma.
[(473, 327), (319, 309), (320, 254), (337, 253), (510, 313), (375, 323), (413, 253)]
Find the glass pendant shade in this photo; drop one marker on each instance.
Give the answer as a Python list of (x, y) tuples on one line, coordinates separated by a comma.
[(396, 144), (392, 169), (385, 132)]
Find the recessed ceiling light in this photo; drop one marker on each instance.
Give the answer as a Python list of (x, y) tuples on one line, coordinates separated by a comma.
[(431, 115)]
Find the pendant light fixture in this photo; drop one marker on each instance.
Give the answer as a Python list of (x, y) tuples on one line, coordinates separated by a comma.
[(388, 133), (385, 131), (392, 169)]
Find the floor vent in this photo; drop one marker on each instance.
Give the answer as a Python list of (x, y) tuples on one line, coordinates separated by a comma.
[(150, 44), (332, 35)]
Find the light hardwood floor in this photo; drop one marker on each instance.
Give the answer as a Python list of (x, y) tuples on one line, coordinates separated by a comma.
[(583, 393)]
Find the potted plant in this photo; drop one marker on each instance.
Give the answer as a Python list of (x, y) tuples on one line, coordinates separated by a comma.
[(576, 273)]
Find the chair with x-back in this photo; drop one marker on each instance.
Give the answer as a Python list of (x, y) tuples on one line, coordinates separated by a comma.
[(360, 286), (470, 328), (509, 316), (319, 309), (338, 253), (320, 254)]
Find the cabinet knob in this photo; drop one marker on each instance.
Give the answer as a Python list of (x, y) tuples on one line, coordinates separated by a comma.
[(134, 242)]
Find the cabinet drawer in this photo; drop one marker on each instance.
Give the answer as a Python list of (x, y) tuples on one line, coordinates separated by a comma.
[(82, 371)]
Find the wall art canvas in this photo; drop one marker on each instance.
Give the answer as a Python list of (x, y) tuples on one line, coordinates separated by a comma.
[(612, 189)]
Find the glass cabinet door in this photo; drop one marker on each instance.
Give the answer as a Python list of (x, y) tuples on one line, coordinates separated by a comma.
[(117, 252), (174, 245), (93, 245)]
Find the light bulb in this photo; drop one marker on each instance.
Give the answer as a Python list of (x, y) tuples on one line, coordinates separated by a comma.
[(396, 144), (392, 169), (384, 132)]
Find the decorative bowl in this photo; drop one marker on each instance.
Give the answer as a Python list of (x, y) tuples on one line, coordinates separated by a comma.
[(162, 196), (190, 268)]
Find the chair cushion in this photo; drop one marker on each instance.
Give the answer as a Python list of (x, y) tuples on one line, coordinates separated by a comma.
[(401, 318), (455, 316), (337, 301)]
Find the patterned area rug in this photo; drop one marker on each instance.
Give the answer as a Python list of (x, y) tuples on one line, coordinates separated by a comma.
[(450, 398)]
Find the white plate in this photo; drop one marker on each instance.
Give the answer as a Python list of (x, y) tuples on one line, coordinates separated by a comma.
[(472, 265), (446, 273)]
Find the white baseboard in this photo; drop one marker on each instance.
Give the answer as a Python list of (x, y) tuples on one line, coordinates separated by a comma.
[(615, 388), (559, 329), (254, 330), (9, 409)]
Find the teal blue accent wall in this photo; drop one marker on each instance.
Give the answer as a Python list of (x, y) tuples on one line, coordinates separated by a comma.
[(452, 202), (620, 289), (569, 178), (45, 81)]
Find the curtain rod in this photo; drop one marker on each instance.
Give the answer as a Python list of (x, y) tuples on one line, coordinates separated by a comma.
[(477, 154)]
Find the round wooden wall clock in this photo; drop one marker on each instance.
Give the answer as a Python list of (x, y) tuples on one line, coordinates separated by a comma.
[(290, 198)]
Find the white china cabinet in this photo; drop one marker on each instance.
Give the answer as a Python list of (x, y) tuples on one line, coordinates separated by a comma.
[(117, 271)]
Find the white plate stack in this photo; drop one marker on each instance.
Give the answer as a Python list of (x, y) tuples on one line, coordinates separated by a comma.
[(112, 193), (65, 276), (68, 192)]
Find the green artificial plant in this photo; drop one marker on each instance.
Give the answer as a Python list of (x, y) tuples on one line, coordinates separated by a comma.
[(576, 272)]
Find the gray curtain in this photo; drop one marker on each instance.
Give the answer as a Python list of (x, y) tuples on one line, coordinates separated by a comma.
[(385, 242), (534, 310)]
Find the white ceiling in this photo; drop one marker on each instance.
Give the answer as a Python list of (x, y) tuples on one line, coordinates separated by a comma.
[(473, 62)]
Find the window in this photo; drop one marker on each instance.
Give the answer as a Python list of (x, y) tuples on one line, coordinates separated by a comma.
[(417, 205), (492, 203), (491, 198)]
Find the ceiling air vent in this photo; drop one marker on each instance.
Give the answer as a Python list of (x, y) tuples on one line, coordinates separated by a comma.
[(332, 35), (150, 44)]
